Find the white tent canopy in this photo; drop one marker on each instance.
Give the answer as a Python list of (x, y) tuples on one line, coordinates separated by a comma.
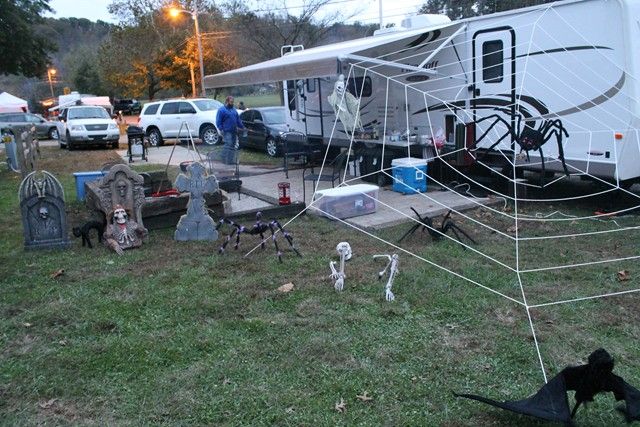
[(12, 104), (323, 60)]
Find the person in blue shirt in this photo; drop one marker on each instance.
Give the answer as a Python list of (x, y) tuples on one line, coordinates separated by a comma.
[(228, 122)]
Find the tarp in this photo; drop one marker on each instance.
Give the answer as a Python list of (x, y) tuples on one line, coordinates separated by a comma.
[(12, 104), (323, 61)]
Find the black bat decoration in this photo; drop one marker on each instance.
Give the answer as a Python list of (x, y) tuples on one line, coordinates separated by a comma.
[(551, 402)]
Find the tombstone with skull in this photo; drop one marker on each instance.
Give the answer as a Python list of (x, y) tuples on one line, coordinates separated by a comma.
[(120, 186), (43, 212)]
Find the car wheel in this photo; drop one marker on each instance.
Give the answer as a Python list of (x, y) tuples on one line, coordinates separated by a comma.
[(53, 133), (209, 135), (155, 138), (271, 147)]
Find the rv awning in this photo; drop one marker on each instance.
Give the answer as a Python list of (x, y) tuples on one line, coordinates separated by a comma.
[(324, 60)]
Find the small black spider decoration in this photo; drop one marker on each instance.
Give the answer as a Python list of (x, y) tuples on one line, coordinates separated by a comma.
[(530, 138), (436, 233), (259, 228)]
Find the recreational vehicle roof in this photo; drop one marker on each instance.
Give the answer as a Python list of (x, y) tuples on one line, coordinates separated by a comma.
[(323, 60), (315, 62)]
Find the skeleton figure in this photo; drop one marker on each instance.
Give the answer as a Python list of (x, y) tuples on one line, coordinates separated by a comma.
[(392, 266), (345, 106), (123, 233), (344, 250)]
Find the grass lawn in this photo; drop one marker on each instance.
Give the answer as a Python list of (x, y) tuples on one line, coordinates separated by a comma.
[(175, 334)]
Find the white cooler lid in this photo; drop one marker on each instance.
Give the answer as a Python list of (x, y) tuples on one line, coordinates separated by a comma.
[(409, 161), (348, 190)]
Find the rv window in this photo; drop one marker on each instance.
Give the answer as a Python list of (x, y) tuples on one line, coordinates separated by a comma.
[(291, 94), (311, 85), (355, 86), (492, 58)]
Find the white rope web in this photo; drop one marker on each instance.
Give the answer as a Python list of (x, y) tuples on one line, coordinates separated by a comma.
[(593, 106)]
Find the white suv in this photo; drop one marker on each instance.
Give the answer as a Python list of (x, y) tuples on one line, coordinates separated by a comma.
[(84, 125), (170, 119)]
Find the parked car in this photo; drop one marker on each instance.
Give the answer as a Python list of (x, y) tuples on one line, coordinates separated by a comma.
[(127, 106), (178, 118), (265, 127), (44, 128), (85, 125)]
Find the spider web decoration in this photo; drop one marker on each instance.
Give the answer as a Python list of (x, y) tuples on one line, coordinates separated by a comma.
[(571, 94)]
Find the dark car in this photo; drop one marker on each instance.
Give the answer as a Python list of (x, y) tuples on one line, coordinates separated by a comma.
[(265, 127), (44, 127), (127, 106)]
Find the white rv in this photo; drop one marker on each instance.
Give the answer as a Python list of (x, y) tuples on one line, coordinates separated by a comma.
[(553, 88)]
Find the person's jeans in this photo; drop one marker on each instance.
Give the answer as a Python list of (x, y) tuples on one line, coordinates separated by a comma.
[(229, 149)]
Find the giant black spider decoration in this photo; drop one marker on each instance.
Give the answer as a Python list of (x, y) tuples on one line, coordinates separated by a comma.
[(259, 228), (436, 233), (530, 138)]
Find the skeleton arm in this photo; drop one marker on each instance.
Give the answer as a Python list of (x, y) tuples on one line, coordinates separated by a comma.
[(338, 276), (392, 266)]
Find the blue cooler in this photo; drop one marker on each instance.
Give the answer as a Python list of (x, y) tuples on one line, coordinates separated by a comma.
[(409, 175), (81, 178)]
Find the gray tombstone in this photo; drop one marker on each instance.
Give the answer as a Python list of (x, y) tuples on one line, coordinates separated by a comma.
[(196, 224), (43, 216), (122, 187)]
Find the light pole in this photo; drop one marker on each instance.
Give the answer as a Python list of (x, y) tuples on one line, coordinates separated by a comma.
[(174, 11), (51, 72)]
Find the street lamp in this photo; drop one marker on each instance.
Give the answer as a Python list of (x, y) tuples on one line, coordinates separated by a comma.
[(51, 72), (174, 12)]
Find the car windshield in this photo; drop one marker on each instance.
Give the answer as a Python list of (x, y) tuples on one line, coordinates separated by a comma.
[(274, 117), (88, 113), (207, 104)]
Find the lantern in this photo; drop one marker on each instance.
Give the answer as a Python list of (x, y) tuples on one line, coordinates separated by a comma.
[(283, 193)]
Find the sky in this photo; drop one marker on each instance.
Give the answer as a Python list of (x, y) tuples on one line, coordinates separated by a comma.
[(368, 10)]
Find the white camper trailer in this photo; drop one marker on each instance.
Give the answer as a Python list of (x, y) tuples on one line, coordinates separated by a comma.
[(553, 88)]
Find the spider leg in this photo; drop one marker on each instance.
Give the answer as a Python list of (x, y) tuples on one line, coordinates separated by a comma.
[(542, 165), (409, 232), (455, 227), (275, 242), (227, 240), (450, 226), (287, 236)]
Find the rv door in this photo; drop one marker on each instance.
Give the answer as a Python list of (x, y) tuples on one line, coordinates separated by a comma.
[(494, 81)]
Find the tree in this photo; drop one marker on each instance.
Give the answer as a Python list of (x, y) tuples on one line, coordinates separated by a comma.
[(87, 79), (459, 9), (23, 49), (262, 33)]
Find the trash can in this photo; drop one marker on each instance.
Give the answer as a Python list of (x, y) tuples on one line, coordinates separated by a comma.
[(409, 175), (135, 143), (10, 150)]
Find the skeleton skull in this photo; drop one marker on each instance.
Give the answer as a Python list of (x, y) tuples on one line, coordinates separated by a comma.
[(43, 212), (120, 215), (122, 188), (344, 248), (339, 86)]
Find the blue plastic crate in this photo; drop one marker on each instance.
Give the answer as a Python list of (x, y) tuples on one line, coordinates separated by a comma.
[(82, 177)]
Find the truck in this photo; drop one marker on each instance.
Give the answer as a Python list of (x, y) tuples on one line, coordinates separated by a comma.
[(552, 88)]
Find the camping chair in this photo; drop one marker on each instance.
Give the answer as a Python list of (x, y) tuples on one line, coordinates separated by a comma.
[(330, 173), (295, 145)]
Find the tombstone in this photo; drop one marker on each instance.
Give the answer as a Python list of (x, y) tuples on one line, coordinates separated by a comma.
[(120, 186), (44, 219), (196, 224)]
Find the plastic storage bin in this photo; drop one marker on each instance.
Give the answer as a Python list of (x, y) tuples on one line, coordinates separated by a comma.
[(409, 175), (81, 178), (347, 201)]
